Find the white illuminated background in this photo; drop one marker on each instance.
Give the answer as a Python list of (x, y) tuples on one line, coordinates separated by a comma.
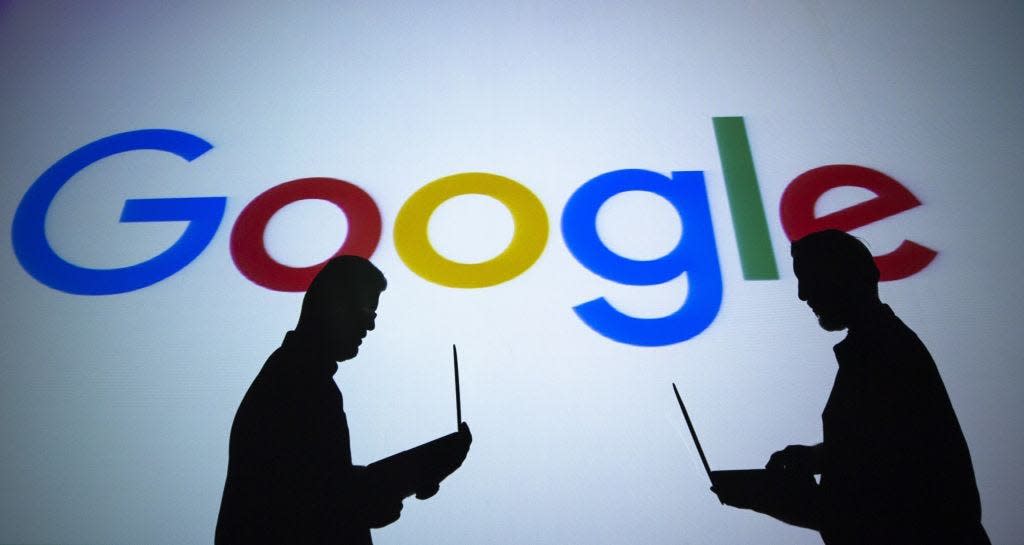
[(115, 410)]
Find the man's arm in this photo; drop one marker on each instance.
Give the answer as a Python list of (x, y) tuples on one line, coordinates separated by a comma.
[(371, 505)]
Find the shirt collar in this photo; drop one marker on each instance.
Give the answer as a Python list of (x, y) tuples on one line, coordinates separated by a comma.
[(867, 335)]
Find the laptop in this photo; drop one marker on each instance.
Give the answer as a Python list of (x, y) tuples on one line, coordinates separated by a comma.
[(399, 474), (789, 497), (754, 483)]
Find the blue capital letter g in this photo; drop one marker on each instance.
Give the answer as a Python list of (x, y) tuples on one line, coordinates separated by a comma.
[(38, 258)]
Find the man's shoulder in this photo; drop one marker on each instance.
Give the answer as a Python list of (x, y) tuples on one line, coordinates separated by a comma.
[(888, 343), (274, 375), (902, 337), (901, 351)]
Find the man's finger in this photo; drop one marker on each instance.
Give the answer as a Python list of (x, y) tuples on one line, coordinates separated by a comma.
[(427, 491)]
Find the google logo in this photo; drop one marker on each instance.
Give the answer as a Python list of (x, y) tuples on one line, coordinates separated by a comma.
[(695, 254)]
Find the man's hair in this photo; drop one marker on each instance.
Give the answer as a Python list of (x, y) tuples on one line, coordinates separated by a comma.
[(839, 254), (338, 281)]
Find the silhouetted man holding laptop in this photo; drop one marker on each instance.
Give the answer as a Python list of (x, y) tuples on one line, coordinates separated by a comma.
[(290, 473), (894, 465)]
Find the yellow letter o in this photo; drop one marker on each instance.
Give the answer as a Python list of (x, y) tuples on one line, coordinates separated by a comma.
[(528, 240)]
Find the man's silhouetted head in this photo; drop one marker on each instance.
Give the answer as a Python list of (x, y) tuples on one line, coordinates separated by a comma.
[(837, 277), (340, 305)]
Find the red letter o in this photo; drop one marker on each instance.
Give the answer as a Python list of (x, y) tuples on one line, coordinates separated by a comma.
[(250, 254)]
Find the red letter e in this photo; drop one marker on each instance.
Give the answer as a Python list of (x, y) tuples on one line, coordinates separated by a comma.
[(797, 212)]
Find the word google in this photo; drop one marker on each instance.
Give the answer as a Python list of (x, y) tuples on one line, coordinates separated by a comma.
[(695, 254)]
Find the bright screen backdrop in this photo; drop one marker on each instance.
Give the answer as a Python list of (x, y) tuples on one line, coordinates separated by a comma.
[(115, 409)]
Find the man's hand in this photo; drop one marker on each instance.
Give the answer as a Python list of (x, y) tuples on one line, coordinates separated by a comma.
[(457, 456), (466, 436), (427, 491), (734, 497), (382, 511), (786, 495), (800, 459)]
